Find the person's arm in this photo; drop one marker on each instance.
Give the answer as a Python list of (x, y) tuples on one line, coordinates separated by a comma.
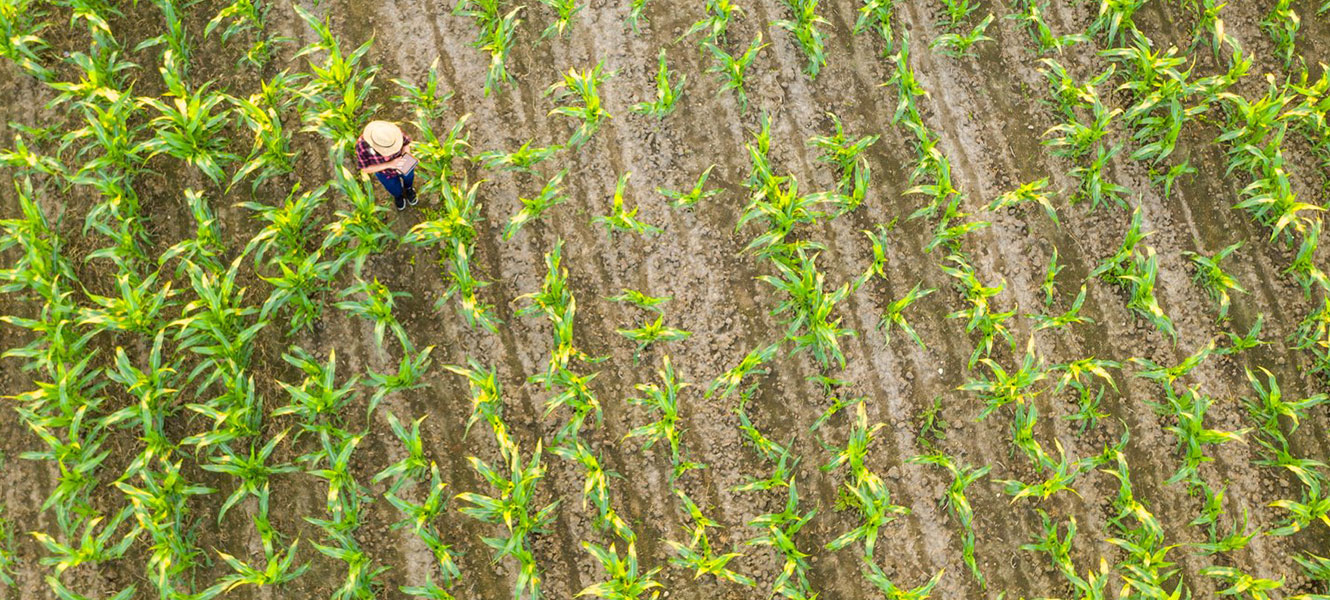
[(372, 169)]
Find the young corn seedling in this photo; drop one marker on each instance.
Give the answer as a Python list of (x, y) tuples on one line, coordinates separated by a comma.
[(318, 399), (338, 91), (8, 559), (90, 547), (410, 370), (1282, 25), (844, 155), (425, 100), (495, 36), (1049, 286), (878, 267), (780, 531), (190, 127), (716, 22), (864, 490), (932, 427), (1032, 17), (532, 208), (894, 315), (664, 399), (732, 70), (23, 22), (804, 27), (1073, 315), (583, 91), (875, 576), (1255, 588), (248, 15), (1212, 278), (564, 12), (640, 300), (414, 465), (729, 381), (636, 16), (420, 518), (1115, 18), (176, 56), (698, 555), (682, 200), (596, 488), (1003, 388), (979, 315), (1029, 192), (956, 11), (957, 504), (251, 468), (271, 155), (522, 160), (625, 582), (959, 45), (667, 93), (810, 323), (650, 333), (511, 506), (621, 219), (376, 307)]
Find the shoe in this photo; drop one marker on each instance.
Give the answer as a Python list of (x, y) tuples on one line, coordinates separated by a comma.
[(411, 196), (400, 202)]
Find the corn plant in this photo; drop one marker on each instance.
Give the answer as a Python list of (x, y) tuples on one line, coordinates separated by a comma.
[(1255, 588), (890, 591), (1282, 24), (280, 568), (958, 45), (779, 532), (626, 582), (1115, 18), (318, 399), (376, 307), (176, 56), (532, 208), (956, 11), (495, 36), (21, 25), (698, 554), (957, 504), (251, 468), (716, 22), (190, 127), (1212, 278), (863, 490), (667, 93), (564, 12), (1032, 18), (161, 507), (641, 300), (522, 159), (894, 315), (1073, 374), (582, 89), (810, 323), (338, 90), (8, 559), (248, 15), (804, 27), (1029, 192), (650, 333), (425, 100), (844, 155), (92, 546), (732, 70), (414, 465), (1073, 315), (622, 219), (512, 506), (636, 15), (979, 315), (271, 155), (664, 399), (751, 364)]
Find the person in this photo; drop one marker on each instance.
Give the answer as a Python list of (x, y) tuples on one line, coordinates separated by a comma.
[(383, 150)]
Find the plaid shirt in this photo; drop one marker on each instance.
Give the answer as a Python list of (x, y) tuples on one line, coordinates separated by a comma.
[(366, 156)]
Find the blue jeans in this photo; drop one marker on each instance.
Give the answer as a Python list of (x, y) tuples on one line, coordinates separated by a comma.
[(394, 184)]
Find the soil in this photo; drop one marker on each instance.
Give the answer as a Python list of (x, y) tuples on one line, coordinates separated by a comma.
[(989, 112)]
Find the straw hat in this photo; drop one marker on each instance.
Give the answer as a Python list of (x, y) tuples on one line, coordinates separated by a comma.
[(384, 137)]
